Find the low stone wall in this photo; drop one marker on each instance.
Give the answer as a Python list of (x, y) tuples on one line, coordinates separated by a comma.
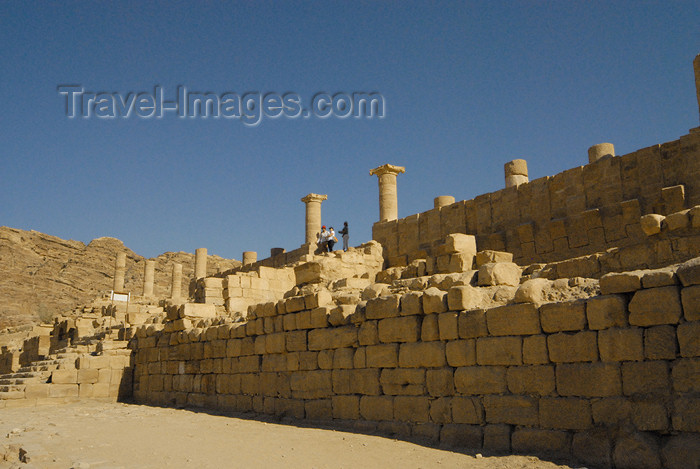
[(611, 380)]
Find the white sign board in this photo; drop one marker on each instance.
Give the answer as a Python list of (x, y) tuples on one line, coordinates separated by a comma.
[(120, 296)]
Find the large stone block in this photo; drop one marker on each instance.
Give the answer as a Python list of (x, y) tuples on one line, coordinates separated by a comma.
[(412, 303), (337, 337), (560, 317), (660, 343), (532, 291), (517, 319), (593, 447), (606, 311), (589, 379), (620, 282), (497, 438), (570, 348), (382, 356), (476, 380), (434, 301), (620, 344), (537, 380), (499, 351), (542, 442), (681, 451), (377, 408), (637, 451), (655, 306), (472, 324), (467, 410), (689, 339), (429, 329), (499, 273), (346, 407), (691, 302), (422, 354), (686, 414), (459, 242), (197, 310), (464, 297), (67, 376), (399, 329), (383, 307), (455, 435), (317, 299), (398, 381), (513, 410), (440, 382), (310, 384), (461, 352), (686, 375), (565, 413), (689, 272), (535, 350)]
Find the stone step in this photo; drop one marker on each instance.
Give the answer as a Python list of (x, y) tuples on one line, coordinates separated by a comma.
[(12, 394), (12, 387), (34, 368), (10, 381)]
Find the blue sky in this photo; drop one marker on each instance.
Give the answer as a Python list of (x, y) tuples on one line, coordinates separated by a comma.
[(468, 86)]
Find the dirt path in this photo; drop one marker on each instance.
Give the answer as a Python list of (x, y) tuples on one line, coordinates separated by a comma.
[(98, 435)]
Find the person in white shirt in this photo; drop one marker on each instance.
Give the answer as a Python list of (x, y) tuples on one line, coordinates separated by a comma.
[(331, 239), (323, 239)]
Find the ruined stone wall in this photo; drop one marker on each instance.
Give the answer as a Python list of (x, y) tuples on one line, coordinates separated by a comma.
[(574, 213), (610, 379)]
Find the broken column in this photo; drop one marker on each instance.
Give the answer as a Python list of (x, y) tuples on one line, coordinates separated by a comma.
[(149, 271), (200, 263), (176, 285), (696, 67), (313, 215), (119, 272), (388, 202), (250, 257), (516, 172), (277, 251), (599, 151), (442, 200)]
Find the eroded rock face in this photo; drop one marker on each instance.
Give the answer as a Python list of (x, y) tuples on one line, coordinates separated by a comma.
[(43, 275)]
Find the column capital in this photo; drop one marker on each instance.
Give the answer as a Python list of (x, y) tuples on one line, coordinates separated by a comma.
[(314, 198), (387, 168)]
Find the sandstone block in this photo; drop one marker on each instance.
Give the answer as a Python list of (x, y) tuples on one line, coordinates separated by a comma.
[(636, 451), (606, 311), (689, 272), (448, 326), (318, 409), (412, 303), (341, 314), (398, 381), (64, 376), (659, 278), (399, 329), (660, 343), (611, 411), (619, 344), (294, 304), (513, 410), (532, 291), (566, 316), (543, 442), (422, 354), (677, 220), (492, 257), (691, 302), (457, 435), (517, 319), (681, 451), (63, 390), (310, 384), (650, 415), (368, 334), (686, 375), (197, 310), (589, 379), (686, 414), (565, 413), (461, 352), (620, 282), (689, 339), (318, 299), (89, 375), (571, 348), (592, 447), (434, 301), (440, 382), (429, 329), (655, 306), (538, 380), (346, 407), (382, 356), (651, 223), (499, 273), (412, 408), (464, 297), (467, 410), (476, 380), (377, 408), (383, 307), (472, 324), (459, 242), (499, 351), (535, 350), (295, 341), (338, 337), (441, 410)]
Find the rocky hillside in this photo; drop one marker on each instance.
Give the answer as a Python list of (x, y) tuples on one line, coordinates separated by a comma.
[(42, 275)]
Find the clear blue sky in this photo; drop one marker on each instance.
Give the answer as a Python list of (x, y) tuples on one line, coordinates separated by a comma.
[(467, 86)]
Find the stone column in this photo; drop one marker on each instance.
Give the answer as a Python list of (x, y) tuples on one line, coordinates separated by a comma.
[(442, 200), (516, 173), (599, 151), (176, 282), (250, 257), (149, 272), (313, 215), (200, 263), (388, 203), (119, 272), (277, 251), (696, 67)]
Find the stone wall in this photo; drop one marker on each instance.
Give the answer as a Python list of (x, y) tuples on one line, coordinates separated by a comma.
[(577, 212), (611, 379)]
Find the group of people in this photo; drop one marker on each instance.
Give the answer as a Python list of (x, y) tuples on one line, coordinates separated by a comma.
[(327, 239)]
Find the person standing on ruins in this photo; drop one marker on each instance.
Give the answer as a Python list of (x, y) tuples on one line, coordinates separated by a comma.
[(331, 239), (346, 235), (323, 239)]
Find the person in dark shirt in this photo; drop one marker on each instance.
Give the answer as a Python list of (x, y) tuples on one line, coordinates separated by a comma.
[(346, 235)]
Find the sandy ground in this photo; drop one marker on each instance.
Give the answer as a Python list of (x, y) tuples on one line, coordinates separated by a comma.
[(99, 435)]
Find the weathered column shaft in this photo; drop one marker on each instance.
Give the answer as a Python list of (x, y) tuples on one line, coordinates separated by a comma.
[(119, 272), (388, 200), (200, 263), (599, 151), (696, 68), (250, 257), (516, 172), (313, 215), (442, 200), (149, 272), (176, 282)]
